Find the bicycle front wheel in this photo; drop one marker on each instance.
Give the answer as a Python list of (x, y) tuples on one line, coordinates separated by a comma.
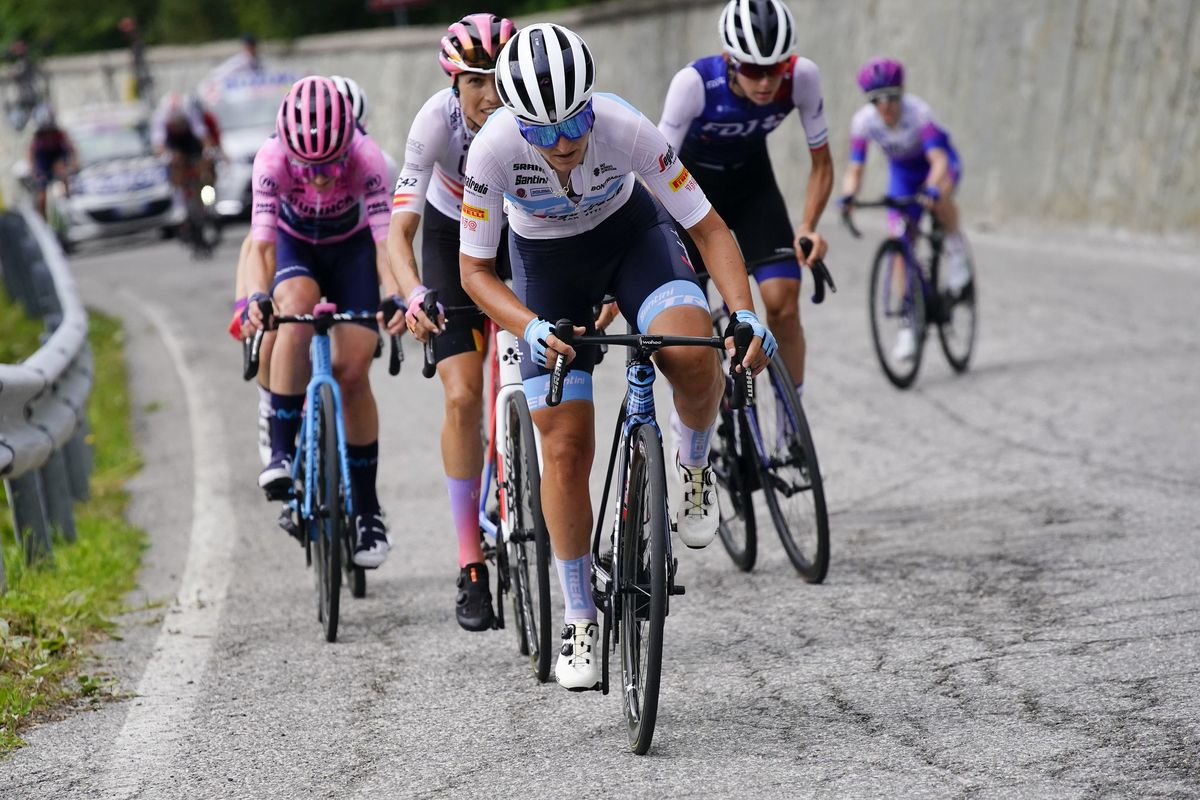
[(327, 508), (790, 475), (528, 539), (642, 584), (897, 309)]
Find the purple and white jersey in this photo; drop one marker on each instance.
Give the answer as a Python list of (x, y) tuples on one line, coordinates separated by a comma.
[(708, 124), (505, 173), (434, 158), (905, 145)]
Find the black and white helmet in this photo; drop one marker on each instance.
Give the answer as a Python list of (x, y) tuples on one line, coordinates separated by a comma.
[(545, 74), (757, 31), (354, 93)]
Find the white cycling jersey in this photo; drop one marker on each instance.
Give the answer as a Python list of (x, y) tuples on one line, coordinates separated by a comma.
[(434, 158), (505, 173)]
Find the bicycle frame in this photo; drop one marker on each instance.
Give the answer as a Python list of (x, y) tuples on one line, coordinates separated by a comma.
[(504, 381), (322, 375)]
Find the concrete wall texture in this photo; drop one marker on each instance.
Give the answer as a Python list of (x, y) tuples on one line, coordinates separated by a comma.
[(1066, 112)]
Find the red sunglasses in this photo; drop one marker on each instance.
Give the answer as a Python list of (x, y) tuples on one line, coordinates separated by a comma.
[(756, 72)]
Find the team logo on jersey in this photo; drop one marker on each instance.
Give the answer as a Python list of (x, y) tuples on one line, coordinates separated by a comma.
[(469, 210), (527, 168), (679, 180), (474, 185), (267, 182), (666, 159), (603, 168), (374, 183), (523, 179), (415, 146), (521, 192)]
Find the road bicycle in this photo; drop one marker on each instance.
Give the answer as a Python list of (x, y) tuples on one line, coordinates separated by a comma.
[(765, 445), (907, 293), (633, 578), (319, 503), (511, 524)]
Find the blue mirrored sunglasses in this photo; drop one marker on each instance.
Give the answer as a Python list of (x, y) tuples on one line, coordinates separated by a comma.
[(570, 129)]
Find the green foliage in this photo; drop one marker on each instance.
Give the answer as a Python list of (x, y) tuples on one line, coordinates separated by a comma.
[(70, 26), (53, 610), (20, 338)]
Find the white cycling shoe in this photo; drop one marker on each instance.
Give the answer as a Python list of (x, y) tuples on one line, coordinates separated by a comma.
[(958, 274), (906, 345), (698, 512), (578, 666)]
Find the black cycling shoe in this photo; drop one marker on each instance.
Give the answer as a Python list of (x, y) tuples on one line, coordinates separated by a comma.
[(473, 605)]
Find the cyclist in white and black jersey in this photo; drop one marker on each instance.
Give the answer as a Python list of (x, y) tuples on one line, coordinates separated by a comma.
[(717, 115), (566, 163), (431, 186)]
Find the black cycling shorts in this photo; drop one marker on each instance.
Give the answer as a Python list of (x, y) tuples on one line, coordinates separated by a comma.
[(748, 199), (344, 271), (439, 265), (635, 256)]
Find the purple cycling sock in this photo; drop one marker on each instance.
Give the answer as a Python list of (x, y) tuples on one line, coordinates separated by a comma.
[(464, 508), (285, 424), (575, 577), (364, 464)]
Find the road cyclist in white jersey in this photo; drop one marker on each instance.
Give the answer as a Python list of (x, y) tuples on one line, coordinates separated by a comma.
[(429, 194), (717, 115), (922, 163), (566, 165)]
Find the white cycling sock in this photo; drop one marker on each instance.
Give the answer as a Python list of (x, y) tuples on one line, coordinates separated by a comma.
[(264, 400)]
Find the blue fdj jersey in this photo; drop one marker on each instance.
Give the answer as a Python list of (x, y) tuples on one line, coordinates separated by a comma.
[(731, 128)]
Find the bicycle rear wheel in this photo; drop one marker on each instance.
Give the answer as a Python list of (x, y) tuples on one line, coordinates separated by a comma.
[(896, 306), (957, 323), (790, 475), (734, 474), (528, 539), (327, 508), (642, 586)]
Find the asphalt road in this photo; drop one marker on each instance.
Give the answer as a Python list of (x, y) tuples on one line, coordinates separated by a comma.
[(1012, 607)]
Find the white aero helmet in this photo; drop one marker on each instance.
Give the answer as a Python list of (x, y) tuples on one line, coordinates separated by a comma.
[(545, 74), (757, 31), (354, 93)]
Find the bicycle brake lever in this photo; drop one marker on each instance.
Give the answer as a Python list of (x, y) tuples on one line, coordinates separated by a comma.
[(429, 305), (564, 331)]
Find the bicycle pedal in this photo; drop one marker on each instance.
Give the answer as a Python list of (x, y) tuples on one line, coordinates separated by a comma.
[(677, 589), (279, 492)]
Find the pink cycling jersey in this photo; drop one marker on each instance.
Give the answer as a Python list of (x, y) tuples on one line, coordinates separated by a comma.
[(284, 199)]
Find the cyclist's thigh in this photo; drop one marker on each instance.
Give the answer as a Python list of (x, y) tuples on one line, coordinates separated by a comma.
[(439, 259), (949, 182), (654, 274), (295, 289), (346, 273)]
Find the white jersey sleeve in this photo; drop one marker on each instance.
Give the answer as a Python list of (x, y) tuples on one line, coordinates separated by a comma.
[(685, 102), (656, 160), (809, 102), (427, 139), (482, 217)]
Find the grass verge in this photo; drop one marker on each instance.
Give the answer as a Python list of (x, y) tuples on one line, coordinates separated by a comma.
[(55, 610), (20, 339)]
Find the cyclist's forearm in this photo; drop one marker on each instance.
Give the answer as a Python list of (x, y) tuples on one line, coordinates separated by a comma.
[(401, 232), (939, 163), (820, 186), (487, 291), (260, 268), (384, 271), (853, 180), (724, 261)]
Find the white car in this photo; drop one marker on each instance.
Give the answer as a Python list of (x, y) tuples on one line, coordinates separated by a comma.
[(120, 188)]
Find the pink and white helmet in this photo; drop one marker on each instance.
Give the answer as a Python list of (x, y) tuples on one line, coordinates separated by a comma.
[(472, 43), (315, 122)]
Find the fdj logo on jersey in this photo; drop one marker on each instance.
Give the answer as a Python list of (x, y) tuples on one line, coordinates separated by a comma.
[(746, 128)]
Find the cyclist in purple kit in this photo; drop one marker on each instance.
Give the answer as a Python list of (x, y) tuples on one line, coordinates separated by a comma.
[(922, 162), (717, 114)]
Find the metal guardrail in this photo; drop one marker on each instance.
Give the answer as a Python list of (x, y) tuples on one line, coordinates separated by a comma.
[(45, 460)]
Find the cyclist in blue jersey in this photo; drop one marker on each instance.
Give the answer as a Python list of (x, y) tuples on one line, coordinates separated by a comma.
[(922, 163), (718, 112)]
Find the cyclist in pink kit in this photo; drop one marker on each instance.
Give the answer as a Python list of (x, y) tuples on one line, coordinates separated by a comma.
[(320, 220)]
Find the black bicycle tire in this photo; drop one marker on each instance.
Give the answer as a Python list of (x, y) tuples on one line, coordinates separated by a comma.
[(646, 458), (878, 269), (737, 467), (523, 438), (329, 506), (961, 365), (813, 569)]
